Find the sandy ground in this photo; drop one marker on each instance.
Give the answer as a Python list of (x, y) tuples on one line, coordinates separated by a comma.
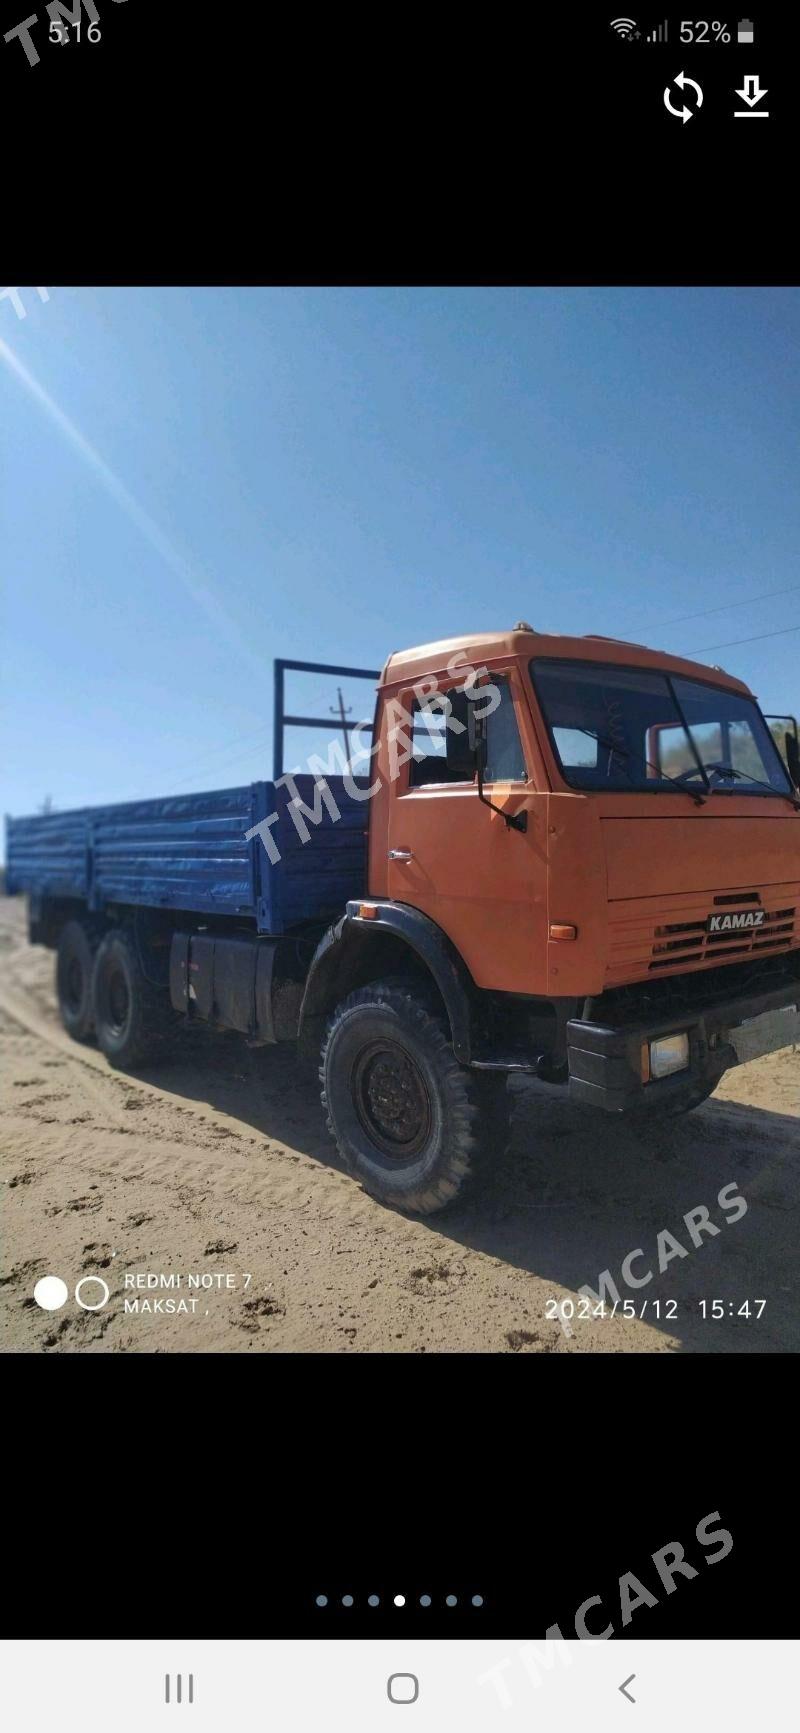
[(218, 1165)]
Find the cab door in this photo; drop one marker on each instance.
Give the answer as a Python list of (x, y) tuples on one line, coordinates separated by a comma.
[(450, 855)]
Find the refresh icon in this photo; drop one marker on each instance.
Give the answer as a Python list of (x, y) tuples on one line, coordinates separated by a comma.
[(684, 113)]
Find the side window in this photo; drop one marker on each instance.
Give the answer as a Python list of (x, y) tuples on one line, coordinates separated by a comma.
[(577, 751), (743, 751), (439, 740), (505, 761)]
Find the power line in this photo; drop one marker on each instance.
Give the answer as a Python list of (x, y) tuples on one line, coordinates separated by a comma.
[(679, 619), (767, 596), (728, 645), (253, 739), (231, 751)]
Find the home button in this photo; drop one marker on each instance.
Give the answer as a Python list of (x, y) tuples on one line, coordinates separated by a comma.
[(403, 1688)]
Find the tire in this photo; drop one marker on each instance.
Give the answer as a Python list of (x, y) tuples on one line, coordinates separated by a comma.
[(74, 966), (133, 1019), (408, 1120)]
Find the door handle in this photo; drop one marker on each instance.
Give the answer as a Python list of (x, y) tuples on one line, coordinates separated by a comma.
[(400, 854)]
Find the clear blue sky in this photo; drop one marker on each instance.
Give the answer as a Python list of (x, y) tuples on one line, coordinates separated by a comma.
[(334, 474)]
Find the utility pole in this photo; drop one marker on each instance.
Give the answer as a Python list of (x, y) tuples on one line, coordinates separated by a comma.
[(343, 715)]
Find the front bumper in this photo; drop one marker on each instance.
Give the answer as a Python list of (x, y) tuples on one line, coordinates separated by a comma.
[(605, 1061)]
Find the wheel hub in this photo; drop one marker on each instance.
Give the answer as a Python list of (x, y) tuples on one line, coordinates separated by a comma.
[(392, 1100), (74, 984), (118, 1000)]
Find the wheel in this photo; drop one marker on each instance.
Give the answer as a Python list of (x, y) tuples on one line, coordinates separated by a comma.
[(74, 963), (408, 1120), (133, 1019)]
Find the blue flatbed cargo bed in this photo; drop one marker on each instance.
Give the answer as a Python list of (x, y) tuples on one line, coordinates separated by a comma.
[(190, 851)]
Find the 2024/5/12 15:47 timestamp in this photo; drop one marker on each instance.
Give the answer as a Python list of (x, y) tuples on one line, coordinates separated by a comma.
[(566, 1309)]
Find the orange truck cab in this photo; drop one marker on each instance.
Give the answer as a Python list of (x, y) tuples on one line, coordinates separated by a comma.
[(613, 903), (572, 857)]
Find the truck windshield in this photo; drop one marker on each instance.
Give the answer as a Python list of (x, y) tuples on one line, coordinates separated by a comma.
[(618, 728)]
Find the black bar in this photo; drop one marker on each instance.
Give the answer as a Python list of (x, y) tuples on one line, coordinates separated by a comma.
[(320, 722), (277, 724), (329, 668), (752, 1593), (281, 720)]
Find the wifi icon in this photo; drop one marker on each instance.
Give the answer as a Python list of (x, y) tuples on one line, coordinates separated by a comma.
[(623, 26)]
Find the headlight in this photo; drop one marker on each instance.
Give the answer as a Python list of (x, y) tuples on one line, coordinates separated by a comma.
[(670, 1053)]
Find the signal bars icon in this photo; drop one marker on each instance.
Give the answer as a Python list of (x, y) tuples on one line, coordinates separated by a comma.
[(629, 30)]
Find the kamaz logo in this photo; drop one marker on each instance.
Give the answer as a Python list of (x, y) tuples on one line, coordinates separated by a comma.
[(735, 923)]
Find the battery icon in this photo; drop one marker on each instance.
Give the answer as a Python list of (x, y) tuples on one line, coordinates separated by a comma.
[(744, 30)]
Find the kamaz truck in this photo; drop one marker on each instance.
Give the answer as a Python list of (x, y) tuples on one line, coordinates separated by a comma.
[(568, 857)]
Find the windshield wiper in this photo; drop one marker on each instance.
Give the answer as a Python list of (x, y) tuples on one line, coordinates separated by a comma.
[(624, 752), (742, 776)]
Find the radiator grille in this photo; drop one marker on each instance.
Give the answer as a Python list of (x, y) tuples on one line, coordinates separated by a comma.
[(644, 941), (689, 940)]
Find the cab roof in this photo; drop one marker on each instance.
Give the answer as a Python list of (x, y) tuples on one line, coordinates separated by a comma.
[(407, 666)]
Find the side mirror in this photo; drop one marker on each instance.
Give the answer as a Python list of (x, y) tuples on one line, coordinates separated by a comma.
[(793, 759), (476, 736), (476, 740)]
